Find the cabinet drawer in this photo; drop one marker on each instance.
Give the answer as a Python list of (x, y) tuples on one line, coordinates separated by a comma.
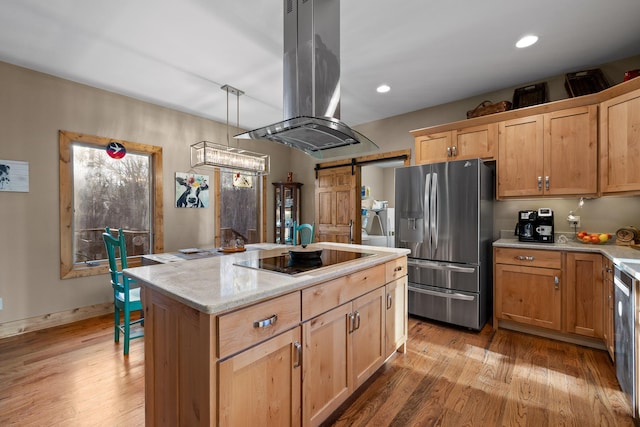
[(319, 299), (528, 257), (248, 326), (395, 269)]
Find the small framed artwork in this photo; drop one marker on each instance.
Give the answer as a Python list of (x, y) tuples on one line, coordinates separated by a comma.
[(14, 176), (192, 190)]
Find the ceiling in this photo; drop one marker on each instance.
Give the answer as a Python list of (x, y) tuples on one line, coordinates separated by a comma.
[(177, 53)]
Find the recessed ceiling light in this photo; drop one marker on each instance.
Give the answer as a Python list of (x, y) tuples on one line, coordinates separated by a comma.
[(383, 89), (526, 41)]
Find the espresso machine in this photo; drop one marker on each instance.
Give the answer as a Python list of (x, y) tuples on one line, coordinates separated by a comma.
[(535, 226)]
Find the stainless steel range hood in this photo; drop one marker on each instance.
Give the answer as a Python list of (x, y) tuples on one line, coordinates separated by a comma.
[(312, 85)]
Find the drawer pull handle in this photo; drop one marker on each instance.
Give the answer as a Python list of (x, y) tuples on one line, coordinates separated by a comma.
[(539, 183), (265, 322), (297, 347), (448, 151), (398, 268), (454, 151), (389, 301), (352, 323), (556, 281), (525, 258), (546, 182), (357, 322)]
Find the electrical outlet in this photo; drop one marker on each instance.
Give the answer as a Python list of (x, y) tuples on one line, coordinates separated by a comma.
[(575, 221)]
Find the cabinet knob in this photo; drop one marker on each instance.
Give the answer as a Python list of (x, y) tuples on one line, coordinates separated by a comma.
[(556, 281)]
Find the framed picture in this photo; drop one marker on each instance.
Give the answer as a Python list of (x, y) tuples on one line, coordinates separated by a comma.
[(192, 191), (14, 176)]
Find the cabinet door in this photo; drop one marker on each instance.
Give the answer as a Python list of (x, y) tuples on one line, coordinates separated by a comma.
[(620, 143), (528, 295), (571, 152), (368, 345), (476, 141), (608, 306), (585, 294), (396, 316), (433, 148), (326, 364), (262, 384), (520, 157)]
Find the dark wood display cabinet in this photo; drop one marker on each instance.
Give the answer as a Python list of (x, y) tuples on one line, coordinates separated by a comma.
[(287, 206)]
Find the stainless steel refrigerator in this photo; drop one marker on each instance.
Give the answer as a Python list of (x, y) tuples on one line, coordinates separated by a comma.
[(444, 215)]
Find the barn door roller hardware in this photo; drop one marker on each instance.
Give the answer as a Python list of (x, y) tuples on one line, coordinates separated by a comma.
[(354, 162)]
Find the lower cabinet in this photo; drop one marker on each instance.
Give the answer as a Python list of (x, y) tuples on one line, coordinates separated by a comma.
[(342, 348), (528, 287), (262, 384), (608, 306), (396, 316), (585, 294), (567, 292)]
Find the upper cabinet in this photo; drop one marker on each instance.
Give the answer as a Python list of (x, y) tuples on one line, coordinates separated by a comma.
[(552, 154), (465, 143), (620, 144)]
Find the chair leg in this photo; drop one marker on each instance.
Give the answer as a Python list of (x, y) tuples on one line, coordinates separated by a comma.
[(127, 328), (116, 321)]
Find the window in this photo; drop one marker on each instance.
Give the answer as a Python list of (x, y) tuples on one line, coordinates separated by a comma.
[(97, 190)]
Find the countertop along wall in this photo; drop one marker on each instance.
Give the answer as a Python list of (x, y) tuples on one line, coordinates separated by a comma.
[(33, 107)]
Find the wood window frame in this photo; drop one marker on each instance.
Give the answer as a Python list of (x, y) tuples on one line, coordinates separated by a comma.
[(69, 269)]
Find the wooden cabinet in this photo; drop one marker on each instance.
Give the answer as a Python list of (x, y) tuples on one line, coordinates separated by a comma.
[(460, 144), (396, 316), (608, 303), (528, 287), (286, 361), (585, 294), (287, 210), (343, 347), (549, 154), (261, 386), (620, 144)]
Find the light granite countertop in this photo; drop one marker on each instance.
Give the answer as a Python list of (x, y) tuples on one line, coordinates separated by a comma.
[(216, 284), (623, 256)]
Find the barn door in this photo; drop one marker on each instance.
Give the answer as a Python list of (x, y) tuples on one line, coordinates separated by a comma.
[(337, 205)]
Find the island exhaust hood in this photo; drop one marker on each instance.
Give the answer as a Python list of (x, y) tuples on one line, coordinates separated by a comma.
[(312, 85)]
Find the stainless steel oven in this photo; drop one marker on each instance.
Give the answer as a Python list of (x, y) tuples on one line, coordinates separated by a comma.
[(624, 333)]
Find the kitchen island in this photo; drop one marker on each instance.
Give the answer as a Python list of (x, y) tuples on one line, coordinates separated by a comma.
[(230, 343)]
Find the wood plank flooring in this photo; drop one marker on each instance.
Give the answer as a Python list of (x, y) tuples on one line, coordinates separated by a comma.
[(74, 375)]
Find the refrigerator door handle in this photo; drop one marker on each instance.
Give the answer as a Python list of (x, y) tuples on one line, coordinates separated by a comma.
[(426, 210), (447, 295), (440, 266), (433, 211)]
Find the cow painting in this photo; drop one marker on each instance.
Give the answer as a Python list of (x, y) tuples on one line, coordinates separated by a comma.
[(4, 175), (192, 191)]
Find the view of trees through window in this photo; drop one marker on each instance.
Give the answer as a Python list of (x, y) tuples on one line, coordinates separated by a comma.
[(113, 193)]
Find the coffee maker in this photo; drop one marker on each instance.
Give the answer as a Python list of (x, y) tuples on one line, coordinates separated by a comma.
[(535, 226)]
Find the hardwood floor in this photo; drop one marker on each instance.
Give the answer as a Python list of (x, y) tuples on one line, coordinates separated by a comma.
[(75, 375)]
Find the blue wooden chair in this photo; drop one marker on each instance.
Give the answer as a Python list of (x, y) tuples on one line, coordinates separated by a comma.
[(306, 231), (125, 298)]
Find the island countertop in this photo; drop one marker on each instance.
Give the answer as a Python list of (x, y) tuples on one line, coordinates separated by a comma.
[(218, 284)]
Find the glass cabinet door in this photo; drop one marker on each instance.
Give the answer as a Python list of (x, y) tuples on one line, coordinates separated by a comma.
[(287, 210)]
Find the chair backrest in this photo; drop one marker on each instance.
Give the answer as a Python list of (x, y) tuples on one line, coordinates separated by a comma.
[(112, 244), (306, 233)]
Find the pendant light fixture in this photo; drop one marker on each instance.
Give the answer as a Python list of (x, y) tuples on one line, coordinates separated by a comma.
[(205, 153)]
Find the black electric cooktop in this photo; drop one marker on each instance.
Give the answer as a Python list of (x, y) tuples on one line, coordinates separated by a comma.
[(283, 263)]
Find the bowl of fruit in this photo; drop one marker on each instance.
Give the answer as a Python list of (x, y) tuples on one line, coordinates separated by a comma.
[(593, 238)]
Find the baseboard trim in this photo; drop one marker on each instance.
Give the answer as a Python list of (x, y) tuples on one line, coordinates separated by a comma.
[(559, 336), (18, 327)]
